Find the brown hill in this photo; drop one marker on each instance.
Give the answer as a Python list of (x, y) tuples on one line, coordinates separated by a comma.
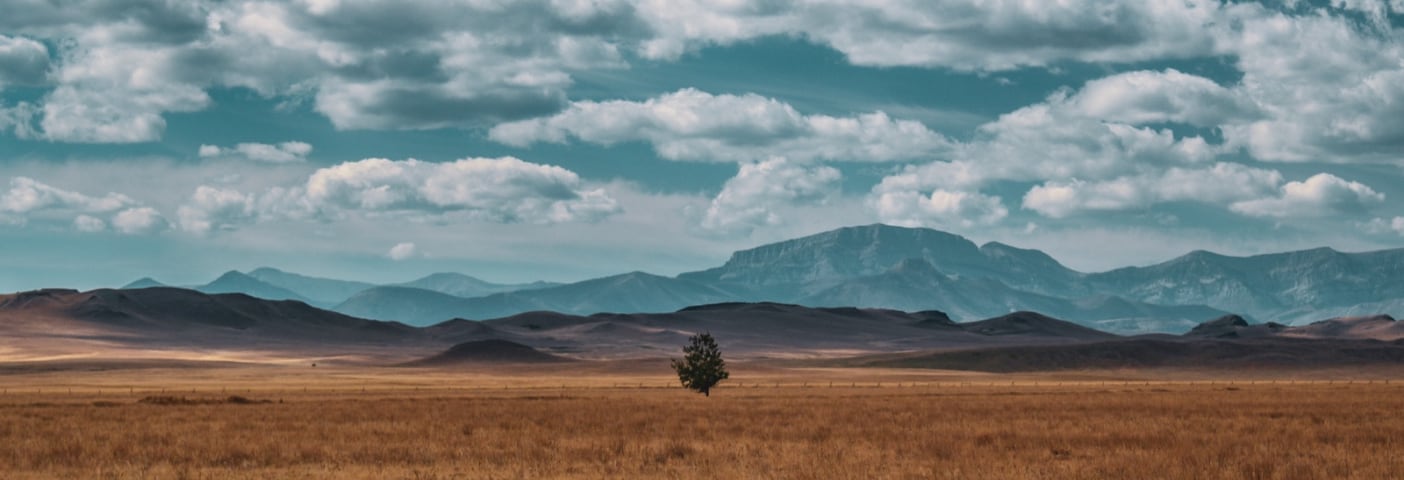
[(487, 352), (1155, 353), (1375, 327), (1033, 324)]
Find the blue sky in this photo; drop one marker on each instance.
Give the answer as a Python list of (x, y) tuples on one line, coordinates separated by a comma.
[(564, 139)]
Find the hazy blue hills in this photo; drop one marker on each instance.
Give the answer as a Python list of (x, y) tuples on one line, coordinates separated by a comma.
[(237, 282), (143, 282), (323, 291), (630, 292), (881, 266), (461, 285)]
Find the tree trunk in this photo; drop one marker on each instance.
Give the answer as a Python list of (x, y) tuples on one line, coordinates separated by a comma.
[(706, 392)]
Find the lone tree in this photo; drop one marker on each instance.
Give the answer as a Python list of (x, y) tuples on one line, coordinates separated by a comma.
[(702, 366)]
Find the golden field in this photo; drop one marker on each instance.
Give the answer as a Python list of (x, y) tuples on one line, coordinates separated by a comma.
[(611, 423)]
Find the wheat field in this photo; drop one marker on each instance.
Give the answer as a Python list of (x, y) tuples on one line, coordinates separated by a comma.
[(978, 429)]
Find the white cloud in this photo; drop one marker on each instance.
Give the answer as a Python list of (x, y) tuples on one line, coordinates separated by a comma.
[(1078, 135), (211, 208), (502, 189), (1384, 225), (89, 224), (964, 35), (1322, 194), (499, 190), (27, 195), (401, 251), (1331, 90), (138, 221), (1143, 97), (1221, 184), (286, 152), (23, 61), (940, 208), (31, 199), (753, 197), (693, 125)]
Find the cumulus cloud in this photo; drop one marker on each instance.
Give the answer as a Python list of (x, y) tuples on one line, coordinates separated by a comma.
[(500, 190), (89, 224), (1221, 184), (23, 61), (1092, 134), (1384, 225), (693, 125), (1331, 90), (366, 64), (1322, 194), (29, 199), (286, 152), (1143, 97), (940, 208), (751, 198), (503, 189), (963, 35), (401, 251), (211, 208), (138, 221), (27, 195)]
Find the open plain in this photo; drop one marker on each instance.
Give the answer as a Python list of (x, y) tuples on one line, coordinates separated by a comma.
[(605, 420)]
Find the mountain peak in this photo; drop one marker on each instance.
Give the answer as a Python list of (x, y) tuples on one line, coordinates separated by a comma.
[(234, 275), (234, 281), (143, 282)]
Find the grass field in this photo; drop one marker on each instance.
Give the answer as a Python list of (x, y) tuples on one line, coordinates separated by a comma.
[(434, 424)]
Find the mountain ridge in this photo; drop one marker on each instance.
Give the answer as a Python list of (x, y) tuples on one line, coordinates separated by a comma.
[(885, 266)]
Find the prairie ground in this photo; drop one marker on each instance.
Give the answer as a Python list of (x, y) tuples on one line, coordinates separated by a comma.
[(769, 422)]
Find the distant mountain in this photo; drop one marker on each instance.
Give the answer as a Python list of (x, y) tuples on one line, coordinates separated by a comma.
[(323, 291), (915, 284), (415, 306), (237, 282), (806, 265), (630, 292), (143, 282), (810, 264), (881, 266), (461, 285), (1287, 287)]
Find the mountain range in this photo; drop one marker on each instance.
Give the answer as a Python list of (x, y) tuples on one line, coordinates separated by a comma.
[(164, 323), (882, 266)]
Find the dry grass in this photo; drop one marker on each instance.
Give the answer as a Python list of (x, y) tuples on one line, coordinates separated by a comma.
[(1166, 430)]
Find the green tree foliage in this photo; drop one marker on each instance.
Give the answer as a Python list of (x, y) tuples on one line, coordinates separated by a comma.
[(702, 366)]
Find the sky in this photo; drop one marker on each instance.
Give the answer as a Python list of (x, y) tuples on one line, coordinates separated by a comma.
[(520, 140)]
